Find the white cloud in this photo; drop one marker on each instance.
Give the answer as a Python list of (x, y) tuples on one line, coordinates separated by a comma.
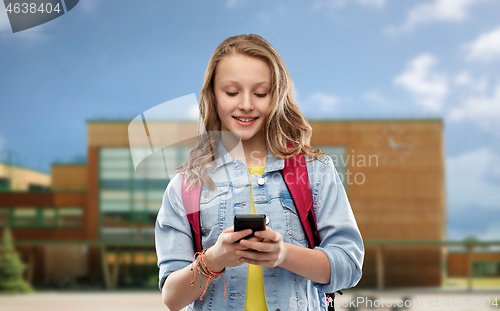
[(325, 102), (375, 97), (89, 6), (470, 180), (230, 4), (318, 104), (377, 3), (463, 78), (337, 4), (436, 11), (277, 12), (492, 233), (429, 88), (264, 17), (328, 4), (486, 47), (482, 109)]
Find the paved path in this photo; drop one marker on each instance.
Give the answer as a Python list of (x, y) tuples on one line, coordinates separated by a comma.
[(85, 301)]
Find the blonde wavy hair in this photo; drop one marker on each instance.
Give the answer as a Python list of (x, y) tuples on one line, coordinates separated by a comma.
[(286, 129)]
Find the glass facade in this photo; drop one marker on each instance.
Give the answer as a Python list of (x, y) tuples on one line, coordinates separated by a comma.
[(4, 217), (485, 268), (41, 217), (25, 217), (38, 188), (4, 184), (129, 203)]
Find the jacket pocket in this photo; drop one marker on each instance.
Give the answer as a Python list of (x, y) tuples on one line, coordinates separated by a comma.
[(211, 205), (293, 225)]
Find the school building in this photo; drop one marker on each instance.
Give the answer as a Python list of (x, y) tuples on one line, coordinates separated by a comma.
[(96, 224)]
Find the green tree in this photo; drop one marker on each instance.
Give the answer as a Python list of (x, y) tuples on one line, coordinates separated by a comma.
[(11, 268), (471, 239)]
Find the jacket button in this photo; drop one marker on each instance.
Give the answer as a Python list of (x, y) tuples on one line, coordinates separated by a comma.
[(261, 181), (278, 310), (206, 195)]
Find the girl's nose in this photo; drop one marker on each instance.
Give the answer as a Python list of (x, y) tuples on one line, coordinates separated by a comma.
[(246, 103)]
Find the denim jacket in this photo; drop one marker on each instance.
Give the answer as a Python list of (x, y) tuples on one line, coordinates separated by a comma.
[(284, 290)]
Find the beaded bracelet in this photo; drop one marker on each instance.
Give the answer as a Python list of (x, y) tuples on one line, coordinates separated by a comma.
[(199, 261)]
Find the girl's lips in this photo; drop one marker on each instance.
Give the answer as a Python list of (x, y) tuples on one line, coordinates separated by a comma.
[(243, 123)]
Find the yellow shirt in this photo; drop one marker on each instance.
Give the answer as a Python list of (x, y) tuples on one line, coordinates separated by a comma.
[(256, 298)]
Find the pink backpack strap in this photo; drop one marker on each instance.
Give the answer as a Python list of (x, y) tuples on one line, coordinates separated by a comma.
[(191, 201), (297, 181)]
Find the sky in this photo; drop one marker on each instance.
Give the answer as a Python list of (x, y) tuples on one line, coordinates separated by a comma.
[(113, 59)]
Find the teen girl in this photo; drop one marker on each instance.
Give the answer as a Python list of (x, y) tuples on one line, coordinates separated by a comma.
[(248, 94)]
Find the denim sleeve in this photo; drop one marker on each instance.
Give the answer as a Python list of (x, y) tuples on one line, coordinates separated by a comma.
[(173, 239), (340, 237)]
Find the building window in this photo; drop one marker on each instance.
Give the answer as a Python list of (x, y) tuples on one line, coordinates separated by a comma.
[(70, 217), (485, 269), (4, 217), (41, 217), (129, 203), (38, 188), (49, 217), (24, 217), (4, 184)]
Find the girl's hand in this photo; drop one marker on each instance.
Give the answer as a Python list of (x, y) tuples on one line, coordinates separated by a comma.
[(223, 253), (270, 252)]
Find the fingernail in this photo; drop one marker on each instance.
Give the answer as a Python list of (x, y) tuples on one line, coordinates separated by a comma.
[(257, 233)]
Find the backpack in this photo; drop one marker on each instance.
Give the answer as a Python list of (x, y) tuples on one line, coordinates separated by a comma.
[(297, 181)]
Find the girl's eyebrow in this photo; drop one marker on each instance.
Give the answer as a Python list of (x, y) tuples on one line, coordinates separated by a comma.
[(237, 83)]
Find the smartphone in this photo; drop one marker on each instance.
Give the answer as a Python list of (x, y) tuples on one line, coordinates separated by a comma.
[(256, 222)]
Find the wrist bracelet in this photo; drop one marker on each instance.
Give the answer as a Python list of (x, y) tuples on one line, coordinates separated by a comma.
[(201, 265)]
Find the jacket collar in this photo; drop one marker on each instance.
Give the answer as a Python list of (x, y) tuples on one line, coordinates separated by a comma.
[(222, 157)]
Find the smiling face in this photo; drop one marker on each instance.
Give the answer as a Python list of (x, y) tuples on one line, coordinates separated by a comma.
[(242, 86)]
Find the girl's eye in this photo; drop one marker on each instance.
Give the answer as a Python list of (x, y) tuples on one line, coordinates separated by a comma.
[(260, 95), (232, 94)]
